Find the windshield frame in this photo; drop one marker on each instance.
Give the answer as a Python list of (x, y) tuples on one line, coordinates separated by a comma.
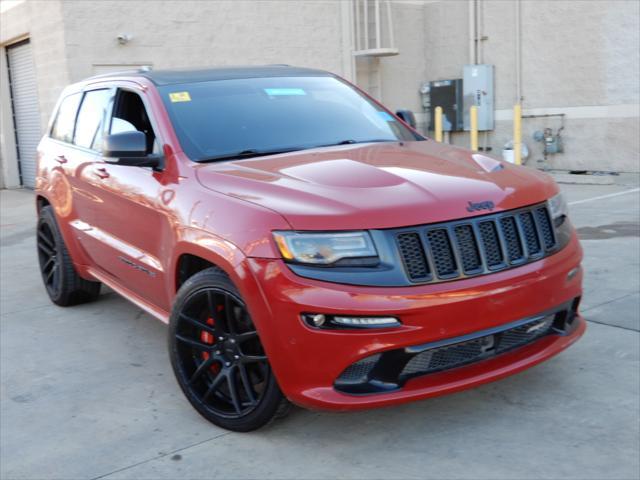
[(164, 91)]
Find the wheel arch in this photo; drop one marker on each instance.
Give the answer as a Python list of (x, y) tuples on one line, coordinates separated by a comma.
[(199, 250)]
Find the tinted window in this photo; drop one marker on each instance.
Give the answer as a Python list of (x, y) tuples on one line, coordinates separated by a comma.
[(224, 117), (66, 118), (90, 119)]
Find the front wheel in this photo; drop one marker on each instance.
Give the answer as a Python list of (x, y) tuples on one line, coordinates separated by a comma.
[(217, 356)]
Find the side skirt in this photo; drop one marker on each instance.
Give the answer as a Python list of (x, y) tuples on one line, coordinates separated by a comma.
[(134, 298)]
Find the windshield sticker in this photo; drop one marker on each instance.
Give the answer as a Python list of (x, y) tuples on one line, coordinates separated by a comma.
[(386, 117), (179, 97), (274, 92)]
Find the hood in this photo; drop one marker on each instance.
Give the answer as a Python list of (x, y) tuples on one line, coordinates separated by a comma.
[(381, 185)]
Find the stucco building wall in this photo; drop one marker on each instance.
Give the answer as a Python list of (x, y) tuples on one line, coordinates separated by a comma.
[(578, 57)]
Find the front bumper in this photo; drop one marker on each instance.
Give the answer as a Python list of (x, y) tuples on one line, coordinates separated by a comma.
[(307, 361)]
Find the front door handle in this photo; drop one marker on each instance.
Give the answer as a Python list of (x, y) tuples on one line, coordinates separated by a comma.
[(61, 159), (102, 173)]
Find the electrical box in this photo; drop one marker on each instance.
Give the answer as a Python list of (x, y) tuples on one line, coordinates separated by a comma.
[(448, 95), (478, 91)]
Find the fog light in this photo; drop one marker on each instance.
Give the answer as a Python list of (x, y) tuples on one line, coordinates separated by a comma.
[(320, 320), (366, 321)]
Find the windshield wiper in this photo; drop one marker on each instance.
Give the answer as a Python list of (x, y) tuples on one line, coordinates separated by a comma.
[(249, 153), (352, 142)]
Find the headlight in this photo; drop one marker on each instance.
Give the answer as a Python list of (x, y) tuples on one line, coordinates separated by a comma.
[(558, 209), (348, 248)]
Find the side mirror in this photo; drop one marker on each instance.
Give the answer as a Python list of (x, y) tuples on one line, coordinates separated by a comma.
[(407, 117), (128, 148)]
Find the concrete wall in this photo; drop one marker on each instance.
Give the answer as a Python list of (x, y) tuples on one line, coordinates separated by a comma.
[(195, 33), (580, 58)]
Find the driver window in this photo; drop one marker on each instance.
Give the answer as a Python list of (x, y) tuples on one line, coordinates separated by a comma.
[(129, 115)]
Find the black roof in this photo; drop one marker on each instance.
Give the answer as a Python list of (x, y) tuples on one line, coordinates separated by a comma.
[(170, 77)]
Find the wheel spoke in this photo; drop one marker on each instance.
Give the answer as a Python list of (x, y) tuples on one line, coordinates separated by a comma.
[(203, 367), (198, 324), (214, 386), (46, 240), (47, 251), (253, 358), (233, 391), (213, 308), (51, 273), (243, 337), (47, 264), (247, 384), (230, 315), (212, 302), (203, 347)]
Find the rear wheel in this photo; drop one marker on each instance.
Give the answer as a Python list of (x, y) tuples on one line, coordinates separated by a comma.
[(63, 284), (217, 356)]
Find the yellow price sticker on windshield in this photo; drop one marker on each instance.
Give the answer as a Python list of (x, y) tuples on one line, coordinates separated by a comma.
[(179, 97)]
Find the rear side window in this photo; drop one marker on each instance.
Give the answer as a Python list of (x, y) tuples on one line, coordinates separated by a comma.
[(91, 118), (65, 118)]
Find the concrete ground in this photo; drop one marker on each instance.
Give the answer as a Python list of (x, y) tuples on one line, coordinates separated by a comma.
[(88, 392)]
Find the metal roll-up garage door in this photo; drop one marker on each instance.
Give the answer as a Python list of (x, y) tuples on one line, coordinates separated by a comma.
[(26, 111)]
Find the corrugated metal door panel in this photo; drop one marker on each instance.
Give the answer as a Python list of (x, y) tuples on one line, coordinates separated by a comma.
[(26, 110)]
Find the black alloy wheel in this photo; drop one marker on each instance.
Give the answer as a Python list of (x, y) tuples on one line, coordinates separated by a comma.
[(49, 259), (63, 284), (217, 355)]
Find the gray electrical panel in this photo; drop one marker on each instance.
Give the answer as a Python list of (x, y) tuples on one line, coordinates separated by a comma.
[(478, 90)]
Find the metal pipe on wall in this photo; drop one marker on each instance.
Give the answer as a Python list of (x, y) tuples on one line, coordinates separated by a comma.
[(518, 29), (473, 32)]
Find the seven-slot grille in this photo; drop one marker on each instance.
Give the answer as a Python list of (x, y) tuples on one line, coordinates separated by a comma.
[(478, 245)]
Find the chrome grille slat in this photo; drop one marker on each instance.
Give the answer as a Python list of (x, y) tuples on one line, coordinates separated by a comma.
[(479, 245)]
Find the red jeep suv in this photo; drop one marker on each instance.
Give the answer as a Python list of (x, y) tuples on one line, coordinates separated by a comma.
[(303, 243)]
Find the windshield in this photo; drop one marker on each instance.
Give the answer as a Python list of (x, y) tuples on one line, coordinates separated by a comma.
[(253, 116)]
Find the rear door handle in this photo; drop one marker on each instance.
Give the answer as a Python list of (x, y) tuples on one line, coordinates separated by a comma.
[(102, 172), (61, 159)]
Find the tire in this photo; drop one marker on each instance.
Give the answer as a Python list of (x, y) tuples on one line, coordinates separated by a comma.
[(217, 356), (63, 284)]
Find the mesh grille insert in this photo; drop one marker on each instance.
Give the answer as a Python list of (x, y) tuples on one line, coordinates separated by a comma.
[(442, 253), (491, 243), (512, 239), (530, 235), (456, 355), (469, 254), (545, 227), (413, 255)]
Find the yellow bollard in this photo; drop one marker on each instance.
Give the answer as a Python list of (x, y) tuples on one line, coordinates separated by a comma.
[(438, 124), (517, 134), (473, 120)]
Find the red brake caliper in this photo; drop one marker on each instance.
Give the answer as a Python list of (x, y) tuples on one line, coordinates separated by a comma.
[(209, 339)]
